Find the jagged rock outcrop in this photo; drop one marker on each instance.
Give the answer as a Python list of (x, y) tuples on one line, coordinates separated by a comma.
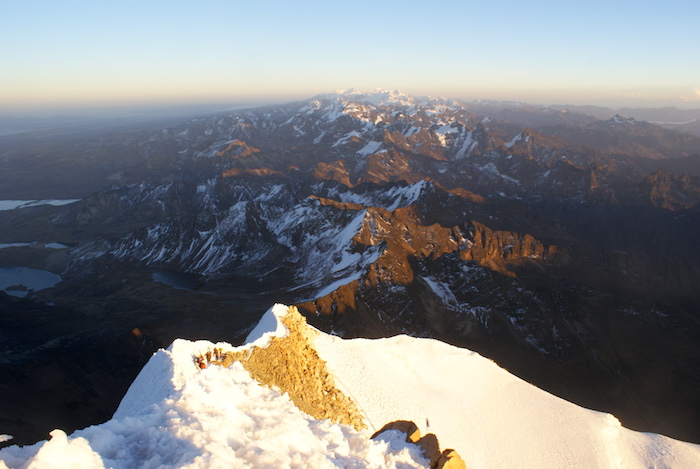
[(404, 239), (428, 443), (333, 171), (672, 192), (238, 149), (292, 365)]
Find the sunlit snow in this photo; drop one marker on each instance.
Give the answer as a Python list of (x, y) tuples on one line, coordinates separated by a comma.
[(177, 415), (370, 148), (492, 418)]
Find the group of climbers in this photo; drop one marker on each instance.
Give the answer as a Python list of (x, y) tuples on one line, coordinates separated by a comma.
[(203, 360)]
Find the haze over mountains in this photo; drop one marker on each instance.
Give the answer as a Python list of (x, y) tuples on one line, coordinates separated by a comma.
[(562, 246)]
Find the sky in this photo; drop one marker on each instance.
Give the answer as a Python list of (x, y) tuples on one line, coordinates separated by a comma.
[(69, 53)]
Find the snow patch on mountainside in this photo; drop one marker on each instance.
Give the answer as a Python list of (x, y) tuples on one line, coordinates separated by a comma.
[(442, 290), (388, 198), (371, 148), (467, 147)]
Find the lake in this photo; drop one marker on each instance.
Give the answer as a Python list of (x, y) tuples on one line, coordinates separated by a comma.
[(177, 280), (13, 204), (45, 245), (19, 280)]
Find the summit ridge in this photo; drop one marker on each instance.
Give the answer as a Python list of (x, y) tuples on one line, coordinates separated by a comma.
[(180, 414)]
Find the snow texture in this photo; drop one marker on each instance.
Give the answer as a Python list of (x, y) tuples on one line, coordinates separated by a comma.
[(442, 290), (268, 327), (492, 418), (369, 149), (177, 415)]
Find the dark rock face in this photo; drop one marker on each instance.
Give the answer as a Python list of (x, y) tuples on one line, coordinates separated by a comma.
[(671, 192), (563, 261)]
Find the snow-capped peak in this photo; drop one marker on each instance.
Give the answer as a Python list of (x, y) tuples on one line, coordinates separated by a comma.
[(378, 97), (618, 119)]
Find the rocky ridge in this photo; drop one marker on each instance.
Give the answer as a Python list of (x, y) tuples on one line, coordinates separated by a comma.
[(289, 363)]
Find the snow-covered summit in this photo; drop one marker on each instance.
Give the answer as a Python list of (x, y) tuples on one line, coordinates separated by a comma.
[(618, 119), (377, 97), (388, 98), (177, 414)]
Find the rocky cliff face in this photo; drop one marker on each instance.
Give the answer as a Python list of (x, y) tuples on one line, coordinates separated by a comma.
[(671, 192), (290, 364)]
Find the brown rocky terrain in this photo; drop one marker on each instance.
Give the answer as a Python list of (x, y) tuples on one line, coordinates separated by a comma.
[(407, 239), (291, 364), (447, 459), (672, 192)]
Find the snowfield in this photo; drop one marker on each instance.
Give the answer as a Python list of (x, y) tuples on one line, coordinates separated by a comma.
[(178, 415), (492, 418)]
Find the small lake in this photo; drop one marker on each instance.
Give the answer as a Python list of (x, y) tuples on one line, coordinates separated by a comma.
[(38, 245), (13, 204), (19, 281), (177, 280)]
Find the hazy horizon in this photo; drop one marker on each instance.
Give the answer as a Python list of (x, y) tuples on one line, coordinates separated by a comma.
[(189, 108), (77, 55)]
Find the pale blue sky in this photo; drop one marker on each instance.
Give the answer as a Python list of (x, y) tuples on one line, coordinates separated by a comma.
[(102, 52)]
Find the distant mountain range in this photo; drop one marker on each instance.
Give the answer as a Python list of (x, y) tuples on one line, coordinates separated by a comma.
[(564, 247), (681, 120)]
